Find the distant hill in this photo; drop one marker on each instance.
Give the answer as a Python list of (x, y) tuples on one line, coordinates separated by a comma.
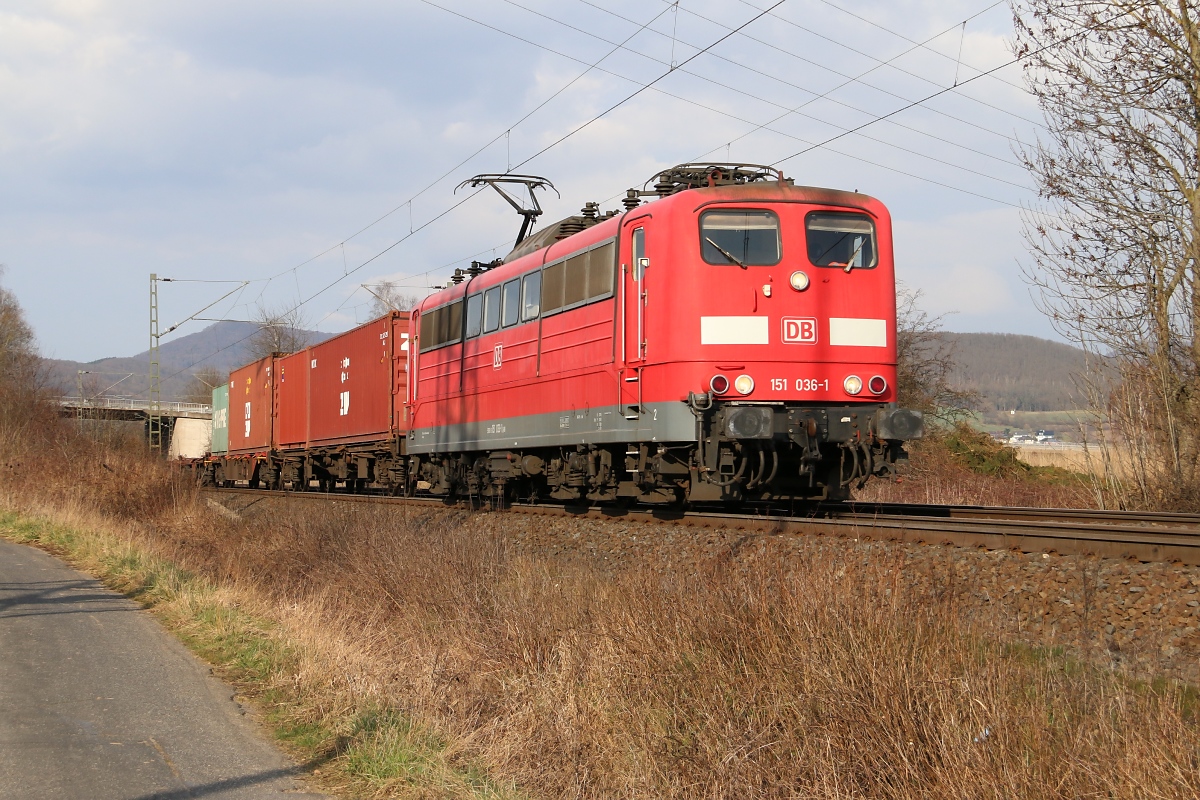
[(1008, 370), (223, 345), (1015, 372)]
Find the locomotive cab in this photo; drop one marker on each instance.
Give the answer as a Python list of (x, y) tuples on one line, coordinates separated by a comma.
[(774, 307)]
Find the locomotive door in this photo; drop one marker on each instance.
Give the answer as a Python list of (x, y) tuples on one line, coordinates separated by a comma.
[(633, 293)]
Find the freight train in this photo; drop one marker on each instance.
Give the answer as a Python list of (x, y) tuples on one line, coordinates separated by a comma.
[(732, 338)]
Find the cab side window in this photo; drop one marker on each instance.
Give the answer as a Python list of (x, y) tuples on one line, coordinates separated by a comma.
[(474, 315), (491, 309), (531, 296), (512, 303)]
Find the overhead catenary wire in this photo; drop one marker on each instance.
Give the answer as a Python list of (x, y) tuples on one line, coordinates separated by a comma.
[(641, 88), (787, 110), (742, 119), (426, 273), (811, 62), (540, 152), (796, 110), (925, 44), (892, 65), (940, 92), (505, 134), (766, 125), (826, 95)]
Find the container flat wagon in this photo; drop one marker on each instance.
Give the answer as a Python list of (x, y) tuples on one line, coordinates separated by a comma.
[(248, 402), (340, 413)]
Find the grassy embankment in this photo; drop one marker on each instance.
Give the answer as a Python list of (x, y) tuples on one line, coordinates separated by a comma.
[(418, 653), (305, 681), (965, 467)]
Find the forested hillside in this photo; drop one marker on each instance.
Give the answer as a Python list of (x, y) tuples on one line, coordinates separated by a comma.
[(222, 346), (1011, 371)]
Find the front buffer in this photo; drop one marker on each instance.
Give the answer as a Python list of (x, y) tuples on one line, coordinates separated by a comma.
[(769, 451)]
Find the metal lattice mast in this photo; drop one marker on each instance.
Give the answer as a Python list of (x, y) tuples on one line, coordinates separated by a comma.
[(154, 413)]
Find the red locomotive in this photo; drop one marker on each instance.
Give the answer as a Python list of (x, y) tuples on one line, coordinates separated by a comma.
[(732, 339)]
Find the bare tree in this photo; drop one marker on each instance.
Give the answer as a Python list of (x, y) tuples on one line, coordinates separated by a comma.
[(203, 381), (925, 362), (18, 352), (280, 330), (22, 377), (1116, 239), (388, 296)]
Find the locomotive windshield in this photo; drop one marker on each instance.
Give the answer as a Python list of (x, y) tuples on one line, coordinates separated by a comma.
[(840, 240), (744, 238)]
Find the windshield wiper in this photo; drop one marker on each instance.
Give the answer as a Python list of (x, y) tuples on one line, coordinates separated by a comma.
[(725, 252), (854, 255)]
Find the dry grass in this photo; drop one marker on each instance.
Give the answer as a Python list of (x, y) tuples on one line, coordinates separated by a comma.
[(427, 655), (968, 468)]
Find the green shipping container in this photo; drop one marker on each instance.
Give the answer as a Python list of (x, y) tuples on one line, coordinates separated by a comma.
[(220, 419)]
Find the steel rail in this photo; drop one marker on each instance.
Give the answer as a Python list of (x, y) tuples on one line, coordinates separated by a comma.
[(1021, 513), (1148, 537)]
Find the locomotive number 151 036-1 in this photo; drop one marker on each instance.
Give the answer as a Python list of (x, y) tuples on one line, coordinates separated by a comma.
[(802, 384)]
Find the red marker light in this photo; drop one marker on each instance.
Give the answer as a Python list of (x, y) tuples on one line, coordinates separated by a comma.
[(719, 384), (877, 385)]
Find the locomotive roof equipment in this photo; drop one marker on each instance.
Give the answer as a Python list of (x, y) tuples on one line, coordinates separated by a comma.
[(529, 212)]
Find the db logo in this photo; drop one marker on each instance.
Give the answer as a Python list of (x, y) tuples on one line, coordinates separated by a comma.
[(498, 356), (800, 330)]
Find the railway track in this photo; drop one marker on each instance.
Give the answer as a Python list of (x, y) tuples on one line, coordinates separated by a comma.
[(1148, 537)]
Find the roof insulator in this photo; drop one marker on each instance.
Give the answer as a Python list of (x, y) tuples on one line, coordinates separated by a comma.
[(631, 200), (458, 277)]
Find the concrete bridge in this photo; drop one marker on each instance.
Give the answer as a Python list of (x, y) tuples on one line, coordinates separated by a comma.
[(130, 409), (185, 428)]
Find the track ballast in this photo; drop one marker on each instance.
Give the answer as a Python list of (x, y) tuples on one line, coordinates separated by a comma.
[(1140, 536)]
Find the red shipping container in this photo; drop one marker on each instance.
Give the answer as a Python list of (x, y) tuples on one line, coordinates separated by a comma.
[(251, 407), (350, 385), (400, 372), (291, 400)]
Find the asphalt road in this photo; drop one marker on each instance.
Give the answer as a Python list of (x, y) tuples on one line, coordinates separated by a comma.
[(98, 702)]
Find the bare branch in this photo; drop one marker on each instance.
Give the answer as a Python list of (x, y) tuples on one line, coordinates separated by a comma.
[(280, 330)]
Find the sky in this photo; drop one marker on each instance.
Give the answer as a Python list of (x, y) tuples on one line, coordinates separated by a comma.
[(288, 153)]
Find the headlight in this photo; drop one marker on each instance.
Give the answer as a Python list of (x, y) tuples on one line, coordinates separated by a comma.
[(799, 281), (852, 384), (719, 384), (744, 384), (877, 385)]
